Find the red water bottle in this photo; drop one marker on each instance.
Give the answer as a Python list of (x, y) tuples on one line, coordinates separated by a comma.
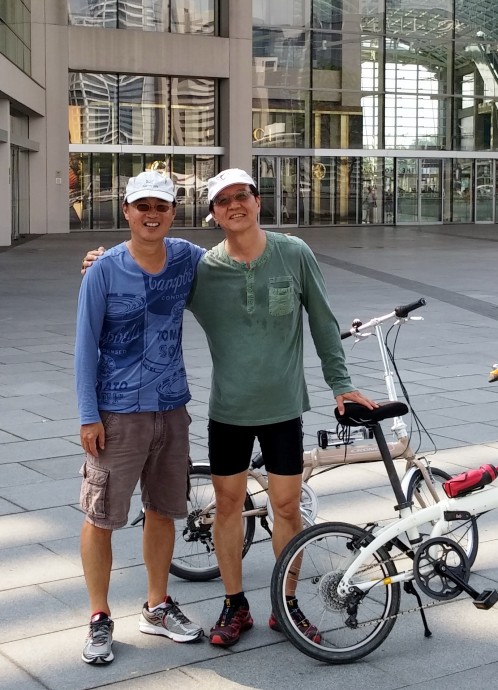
[(469, 481)]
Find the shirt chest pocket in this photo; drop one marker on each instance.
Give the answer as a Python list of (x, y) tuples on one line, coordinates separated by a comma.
[(280, 296)]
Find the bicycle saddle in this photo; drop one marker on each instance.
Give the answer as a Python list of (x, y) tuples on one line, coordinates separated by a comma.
[(358, 415)]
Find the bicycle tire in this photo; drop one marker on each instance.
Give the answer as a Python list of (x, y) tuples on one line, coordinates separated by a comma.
[(326, 550), (194, 556), (464, 532)]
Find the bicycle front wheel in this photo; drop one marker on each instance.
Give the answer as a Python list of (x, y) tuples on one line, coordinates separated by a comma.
[(194, 555), (464, 532), (312, 565)]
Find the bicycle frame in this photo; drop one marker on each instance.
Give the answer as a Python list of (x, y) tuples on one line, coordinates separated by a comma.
[(471, 505)]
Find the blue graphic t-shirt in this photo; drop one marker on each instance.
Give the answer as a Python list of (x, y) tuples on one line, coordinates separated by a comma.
[(128, 354)]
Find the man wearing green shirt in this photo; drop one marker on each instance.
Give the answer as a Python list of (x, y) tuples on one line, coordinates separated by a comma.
[(249, 297)]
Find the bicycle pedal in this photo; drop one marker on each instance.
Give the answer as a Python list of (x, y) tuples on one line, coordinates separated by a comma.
[(486, 599)]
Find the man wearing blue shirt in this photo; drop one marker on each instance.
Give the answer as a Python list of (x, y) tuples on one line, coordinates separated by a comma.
[(132, 390)]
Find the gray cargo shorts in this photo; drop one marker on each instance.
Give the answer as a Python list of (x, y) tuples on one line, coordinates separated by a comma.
[(150, 447)]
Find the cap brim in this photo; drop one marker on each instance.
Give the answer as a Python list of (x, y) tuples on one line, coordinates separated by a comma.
[(145, 193), (228, 182)]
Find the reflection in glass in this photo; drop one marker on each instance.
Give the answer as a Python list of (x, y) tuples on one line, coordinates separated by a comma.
[(91, 13), (267, 185), (97, 183), (133, 109), (192, 112), (187, 16), (408, 190), (192, 16), (430, 190), (104, 196), (319, 193), (93, 107), (143, 110), (288, 190), (462, 180), (278, 122), (485, 191), (15, 33)]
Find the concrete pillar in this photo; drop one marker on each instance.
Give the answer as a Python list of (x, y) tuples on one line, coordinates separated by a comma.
[(5, 186), (236, 92), (50, 170)]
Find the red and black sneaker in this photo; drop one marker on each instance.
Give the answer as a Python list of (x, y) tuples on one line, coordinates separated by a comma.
[(233, 621), (300, 621)]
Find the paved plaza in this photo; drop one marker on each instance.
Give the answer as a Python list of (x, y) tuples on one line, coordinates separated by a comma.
[(444, 362)]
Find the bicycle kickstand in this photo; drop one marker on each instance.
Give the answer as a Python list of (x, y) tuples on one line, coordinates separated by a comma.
[(410, 589)]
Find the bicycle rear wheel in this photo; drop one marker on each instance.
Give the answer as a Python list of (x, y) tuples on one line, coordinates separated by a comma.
[(194, 555), (464, 532), (350, 627)]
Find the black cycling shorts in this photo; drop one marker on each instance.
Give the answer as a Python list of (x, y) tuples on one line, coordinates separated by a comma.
[(231, 447)]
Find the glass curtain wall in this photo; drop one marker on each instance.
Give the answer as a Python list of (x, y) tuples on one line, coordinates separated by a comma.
[(410, 76), (106, 110), (15, 32), (176, 16)]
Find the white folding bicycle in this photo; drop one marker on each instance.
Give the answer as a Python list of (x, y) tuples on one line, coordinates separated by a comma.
[(347, 578)]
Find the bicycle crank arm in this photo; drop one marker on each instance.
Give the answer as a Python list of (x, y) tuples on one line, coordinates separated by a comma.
[(482, 600)]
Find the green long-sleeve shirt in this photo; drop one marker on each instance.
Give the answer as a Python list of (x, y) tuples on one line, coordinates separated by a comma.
[(252, 316)]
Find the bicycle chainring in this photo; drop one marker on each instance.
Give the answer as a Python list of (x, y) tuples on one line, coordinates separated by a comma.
[(433, 560)]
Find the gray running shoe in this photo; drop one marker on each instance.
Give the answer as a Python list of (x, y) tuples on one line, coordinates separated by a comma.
[(170, 622), (98, 644)]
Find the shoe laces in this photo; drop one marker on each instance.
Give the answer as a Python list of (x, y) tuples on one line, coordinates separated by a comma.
[(99, 631), (175, 612), (227, 614)]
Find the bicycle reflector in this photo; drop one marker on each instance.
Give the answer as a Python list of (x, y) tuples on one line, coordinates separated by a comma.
[(465, 483)]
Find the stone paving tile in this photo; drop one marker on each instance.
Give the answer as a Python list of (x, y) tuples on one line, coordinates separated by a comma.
[(46, 494), (8, 508), (57, 468), (38, 526), (43, 429), (23, 451), (19, 570), (15, 474)]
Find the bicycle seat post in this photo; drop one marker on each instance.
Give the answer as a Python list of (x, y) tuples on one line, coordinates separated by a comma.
[(389, 465)]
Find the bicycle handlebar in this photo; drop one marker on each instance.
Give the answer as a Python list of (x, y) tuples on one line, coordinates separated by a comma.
[(400, 312), (403, 311)]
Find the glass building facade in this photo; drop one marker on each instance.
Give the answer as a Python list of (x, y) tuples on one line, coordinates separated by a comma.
[(347, 112), (363, 111), (387, 110), (15, 33)]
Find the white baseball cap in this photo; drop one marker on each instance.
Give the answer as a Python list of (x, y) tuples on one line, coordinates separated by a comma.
[(150, 183), (225, 178)]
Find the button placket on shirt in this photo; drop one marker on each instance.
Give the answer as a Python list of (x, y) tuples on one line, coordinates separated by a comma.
[(250, 290)]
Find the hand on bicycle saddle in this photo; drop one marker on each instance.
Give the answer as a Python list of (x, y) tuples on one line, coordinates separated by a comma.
[(357, 397)]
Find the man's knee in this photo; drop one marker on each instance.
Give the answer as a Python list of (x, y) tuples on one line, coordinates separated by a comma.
[(230, 493)]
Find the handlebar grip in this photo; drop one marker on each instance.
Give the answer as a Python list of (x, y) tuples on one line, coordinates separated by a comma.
[(403, 310), (346, 334)]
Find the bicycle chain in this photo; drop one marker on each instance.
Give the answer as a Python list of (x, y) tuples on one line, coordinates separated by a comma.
[(374, 621)]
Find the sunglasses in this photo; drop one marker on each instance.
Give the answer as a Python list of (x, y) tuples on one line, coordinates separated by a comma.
[(241, 195), (144, 207)]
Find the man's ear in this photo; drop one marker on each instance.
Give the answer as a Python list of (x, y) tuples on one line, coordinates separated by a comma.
[(125, 209)]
